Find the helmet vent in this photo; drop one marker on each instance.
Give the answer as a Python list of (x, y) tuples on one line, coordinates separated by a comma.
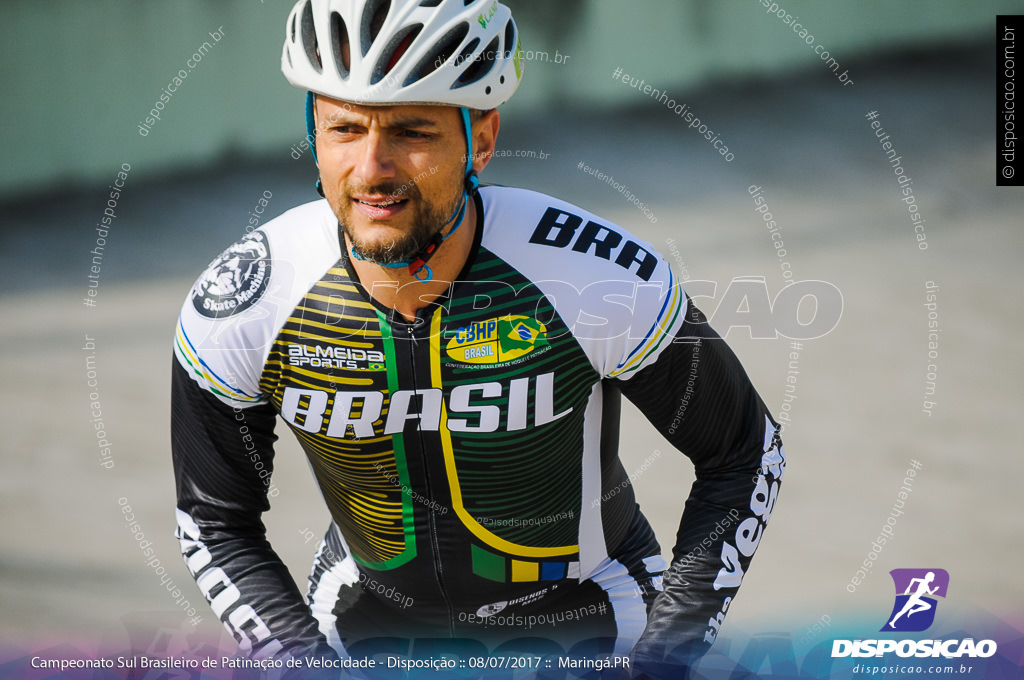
[(309, 38), (374, 14), (340, 44), (394, 52), (430, 3), (510, 39), (466, 52), (480, 67), (439, 54)]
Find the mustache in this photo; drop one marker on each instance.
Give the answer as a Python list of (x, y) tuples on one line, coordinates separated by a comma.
[(406, 190)]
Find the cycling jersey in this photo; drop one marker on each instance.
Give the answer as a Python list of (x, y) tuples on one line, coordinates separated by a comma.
[(468, 458)]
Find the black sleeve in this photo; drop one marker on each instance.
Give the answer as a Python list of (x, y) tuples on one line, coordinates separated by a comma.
[(223, 460), (699, 397)]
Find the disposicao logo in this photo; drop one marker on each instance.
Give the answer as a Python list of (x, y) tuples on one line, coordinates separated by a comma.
[(914, 611), (496, 341)]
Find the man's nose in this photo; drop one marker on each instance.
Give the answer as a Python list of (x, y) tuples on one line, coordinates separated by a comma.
[(375, 160)]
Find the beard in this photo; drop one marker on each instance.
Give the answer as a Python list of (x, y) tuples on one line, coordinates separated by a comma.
[(427, 219)]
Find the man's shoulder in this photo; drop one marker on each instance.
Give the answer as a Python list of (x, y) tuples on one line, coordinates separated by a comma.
[(614, 291), (237, 306), (530, 226), (289, 249), (313, 221), (503, 204), (305, 228)]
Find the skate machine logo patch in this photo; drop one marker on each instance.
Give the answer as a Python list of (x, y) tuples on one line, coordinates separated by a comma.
[(235, 280)]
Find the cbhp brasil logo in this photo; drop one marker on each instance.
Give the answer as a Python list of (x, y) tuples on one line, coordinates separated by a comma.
[(916, 590)]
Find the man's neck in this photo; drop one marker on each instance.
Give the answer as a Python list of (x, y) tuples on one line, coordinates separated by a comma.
[(397, 289)]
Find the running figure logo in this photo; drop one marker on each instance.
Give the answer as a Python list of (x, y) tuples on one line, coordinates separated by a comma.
[(914, 609)]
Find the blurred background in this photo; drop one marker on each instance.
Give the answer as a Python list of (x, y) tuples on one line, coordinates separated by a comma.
[(82, 78)]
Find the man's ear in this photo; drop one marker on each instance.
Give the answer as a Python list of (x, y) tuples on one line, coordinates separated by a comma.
[(485, 138)]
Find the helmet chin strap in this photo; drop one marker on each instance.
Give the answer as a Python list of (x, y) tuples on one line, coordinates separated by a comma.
[(417, 263), (311, 138)]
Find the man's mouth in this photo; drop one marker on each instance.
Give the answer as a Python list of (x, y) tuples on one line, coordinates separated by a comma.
[(379, 207)]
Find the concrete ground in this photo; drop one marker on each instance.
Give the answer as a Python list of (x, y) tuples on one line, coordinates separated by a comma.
[(70, 570)]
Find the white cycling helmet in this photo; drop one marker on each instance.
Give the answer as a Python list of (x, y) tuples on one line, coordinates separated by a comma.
[(462, 53)]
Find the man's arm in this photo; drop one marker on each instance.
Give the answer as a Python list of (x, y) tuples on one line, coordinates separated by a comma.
[(699, 397), (222, 465)]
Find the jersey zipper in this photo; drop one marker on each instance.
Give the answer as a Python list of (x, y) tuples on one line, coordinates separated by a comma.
[(435, 546)]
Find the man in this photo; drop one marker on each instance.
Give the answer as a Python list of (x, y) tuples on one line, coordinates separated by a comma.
[(450, 357)]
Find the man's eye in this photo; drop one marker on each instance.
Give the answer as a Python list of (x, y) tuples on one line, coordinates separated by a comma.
[(413, 134)]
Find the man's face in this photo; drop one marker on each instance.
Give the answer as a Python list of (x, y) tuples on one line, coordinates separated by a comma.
[(392, 174)]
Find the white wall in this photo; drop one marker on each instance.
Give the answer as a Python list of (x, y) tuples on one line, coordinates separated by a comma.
[(79, 75)]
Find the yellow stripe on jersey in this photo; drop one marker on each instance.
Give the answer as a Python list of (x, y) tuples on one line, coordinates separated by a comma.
[(216, 384), (468, 521), (666, 321)]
